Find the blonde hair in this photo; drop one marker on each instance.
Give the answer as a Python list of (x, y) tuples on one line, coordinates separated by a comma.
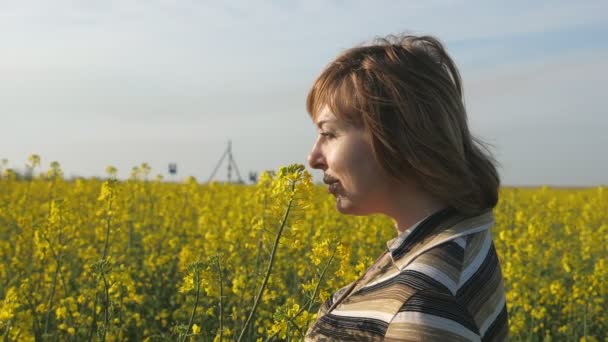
[(406, 93)]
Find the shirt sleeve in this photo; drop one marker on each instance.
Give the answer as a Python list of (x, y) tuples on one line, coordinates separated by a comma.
[(432, 316)]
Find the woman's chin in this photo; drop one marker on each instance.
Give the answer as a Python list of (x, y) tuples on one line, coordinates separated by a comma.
[(341, 204), (345, 206)]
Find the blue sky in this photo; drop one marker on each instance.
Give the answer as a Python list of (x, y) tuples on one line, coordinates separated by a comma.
[(97, 83)]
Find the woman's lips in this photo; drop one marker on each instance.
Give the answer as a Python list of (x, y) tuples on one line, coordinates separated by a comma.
[(333, 187)]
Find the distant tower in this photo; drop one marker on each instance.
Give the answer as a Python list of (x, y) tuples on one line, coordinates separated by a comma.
[(231, 165)]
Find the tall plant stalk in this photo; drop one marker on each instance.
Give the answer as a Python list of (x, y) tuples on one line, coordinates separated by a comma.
[(197, 279), (270, 265), (221, 307)]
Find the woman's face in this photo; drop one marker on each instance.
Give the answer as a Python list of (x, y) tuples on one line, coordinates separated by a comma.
[(344, 153)]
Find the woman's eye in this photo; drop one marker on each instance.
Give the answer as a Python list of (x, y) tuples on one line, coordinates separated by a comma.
[(326, 134)]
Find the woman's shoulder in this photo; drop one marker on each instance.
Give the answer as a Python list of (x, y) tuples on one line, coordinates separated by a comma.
[(453, 264), (457, 288)]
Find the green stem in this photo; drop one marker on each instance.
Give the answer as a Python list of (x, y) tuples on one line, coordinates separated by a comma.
[(107, 240), (106, 304), (197, 275), (219, 266), (269, 270), (316, 291), (6, 332), (58, 259), (106, 245), (94, 316)]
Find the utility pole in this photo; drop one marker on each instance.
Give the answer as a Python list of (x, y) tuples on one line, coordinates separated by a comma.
[(231, 165)]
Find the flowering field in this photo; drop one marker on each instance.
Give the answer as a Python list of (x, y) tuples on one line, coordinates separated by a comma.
[(150, 260)]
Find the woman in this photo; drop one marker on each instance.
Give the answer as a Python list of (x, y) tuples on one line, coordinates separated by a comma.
[(393, 140)]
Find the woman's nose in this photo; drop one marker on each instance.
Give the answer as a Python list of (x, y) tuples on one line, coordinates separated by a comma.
[(316, 160)]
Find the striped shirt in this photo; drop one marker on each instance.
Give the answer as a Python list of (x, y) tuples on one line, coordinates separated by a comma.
[(438, 281)]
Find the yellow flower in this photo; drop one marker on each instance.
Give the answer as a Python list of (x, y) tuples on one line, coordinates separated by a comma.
[(33, 160), (8, 306), (61, 312)]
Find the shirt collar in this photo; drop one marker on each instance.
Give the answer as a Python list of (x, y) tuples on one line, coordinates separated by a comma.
[(442, 226), (394, 243)]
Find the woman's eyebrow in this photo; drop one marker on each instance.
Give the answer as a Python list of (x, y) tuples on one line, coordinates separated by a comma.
[(322, 122)]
